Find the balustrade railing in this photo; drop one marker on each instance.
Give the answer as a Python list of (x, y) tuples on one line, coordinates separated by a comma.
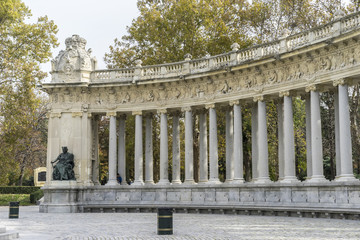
[(321, 33)]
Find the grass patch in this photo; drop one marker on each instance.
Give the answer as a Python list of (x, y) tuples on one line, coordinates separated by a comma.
[(24, 199)]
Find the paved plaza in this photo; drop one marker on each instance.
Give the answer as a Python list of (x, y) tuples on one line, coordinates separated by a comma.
[(90, 226)]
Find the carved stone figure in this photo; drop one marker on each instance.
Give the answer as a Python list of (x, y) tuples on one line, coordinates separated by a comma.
[(63, 170), (73, 59)]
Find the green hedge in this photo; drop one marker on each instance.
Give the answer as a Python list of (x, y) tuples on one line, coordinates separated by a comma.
[(35, 196), (18, 190)]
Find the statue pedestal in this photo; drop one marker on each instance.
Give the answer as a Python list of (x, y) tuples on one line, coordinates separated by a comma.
[(60, 196)]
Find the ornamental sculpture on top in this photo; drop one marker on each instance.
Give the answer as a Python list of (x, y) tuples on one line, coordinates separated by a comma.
[(74, 63)]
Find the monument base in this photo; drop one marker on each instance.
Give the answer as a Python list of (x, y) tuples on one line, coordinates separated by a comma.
[(343, 197)]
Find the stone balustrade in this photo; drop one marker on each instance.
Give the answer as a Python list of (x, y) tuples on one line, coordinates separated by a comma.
[(227, 60)]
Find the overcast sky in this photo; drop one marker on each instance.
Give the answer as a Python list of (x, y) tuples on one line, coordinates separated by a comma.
[(99, 22)]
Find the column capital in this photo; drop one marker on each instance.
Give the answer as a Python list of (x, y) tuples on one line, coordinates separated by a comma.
[(234, 102), (162, 111), (111, 114), (310, 88), (210, 105), (284, 94), (55, 115), (259, 98), (134, 113), (76, 114), (338, 82), (186, 109)]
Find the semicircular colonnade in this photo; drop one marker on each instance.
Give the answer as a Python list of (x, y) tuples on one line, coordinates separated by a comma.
[(302, 65)]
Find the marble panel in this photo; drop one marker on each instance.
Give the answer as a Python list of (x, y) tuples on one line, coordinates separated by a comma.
[(299, 196), (246, 196), (222, 196), (272, 196), (327, 196), (198, 196), (148, 196)]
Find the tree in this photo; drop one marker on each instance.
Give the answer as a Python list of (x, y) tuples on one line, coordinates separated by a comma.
[(167, 30), (23, 47)]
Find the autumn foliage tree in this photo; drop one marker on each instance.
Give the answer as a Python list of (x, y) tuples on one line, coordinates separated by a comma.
[(23, 47)]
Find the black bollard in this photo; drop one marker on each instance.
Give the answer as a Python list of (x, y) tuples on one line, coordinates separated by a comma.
[(165, 221), (14, 210)]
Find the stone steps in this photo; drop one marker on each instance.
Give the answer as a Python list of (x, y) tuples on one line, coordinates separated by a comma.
[(7, 235)]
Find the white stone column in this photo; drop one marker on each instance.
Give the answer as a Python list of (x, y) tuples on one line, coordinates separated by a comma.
[(316, 138), (112, 150), (337, 135), (238, 145), (164, 156), (254, 142), (203, 154), (139, 159), (122, 149), (280, 115), (176, 149), (95, 150), (213, 145), (189, 147), (289, 142), (263, 167), (308, 138), (149, 160), (229, 129), (346, 170)]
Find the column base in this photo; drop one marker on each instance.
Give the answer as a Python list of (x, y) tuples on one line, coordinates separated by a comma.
[(228, 181), (138, 183), (112, 183), (262, 180), (289, 180), (238, 181), (346, 178), (163, 182), (176, 182), (203, 181), (214, 181), (88, 183), (149, 182), (189, 182), (97, 183), (316, 179)]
